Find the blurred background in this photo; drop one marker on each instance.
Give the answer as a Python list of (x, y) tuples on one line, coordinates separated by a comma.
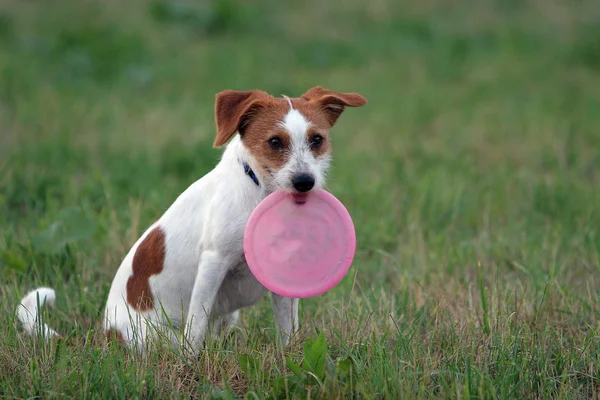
[(474, 167)]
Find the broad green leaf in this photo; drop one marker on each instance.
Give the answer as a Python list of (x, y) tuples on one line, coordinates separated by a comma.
[(295, 368), (315, 356)]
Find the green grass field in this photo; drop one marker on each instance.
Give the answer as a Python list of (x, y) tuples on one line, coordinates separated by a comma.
[(473, 178)]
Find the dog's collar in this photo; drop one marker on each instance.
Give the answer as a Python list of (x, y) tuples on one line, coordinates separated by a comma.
[(250, 173)]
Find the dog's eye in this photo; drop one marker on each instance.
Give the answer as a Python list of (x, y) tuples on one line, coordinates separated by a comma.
[(316, 141), (275, 143)]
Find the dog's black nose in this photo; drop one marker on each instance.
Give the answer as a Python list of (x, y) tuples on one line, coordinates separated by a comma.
[(303, 182)]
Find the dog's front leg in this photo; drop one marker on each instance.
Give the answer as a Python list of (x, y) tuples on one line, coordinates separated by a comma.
[(210, 275), (286, 316)]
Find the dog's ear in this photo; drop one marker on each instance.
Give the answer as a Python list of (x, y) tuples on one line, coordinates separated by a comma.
[(333, 103), (233, 110)]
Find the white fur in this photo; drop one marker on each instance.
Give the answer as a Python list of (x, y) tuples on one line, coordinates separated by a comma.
[(301, 160), (28, 312), (289, 102), (205, 278)]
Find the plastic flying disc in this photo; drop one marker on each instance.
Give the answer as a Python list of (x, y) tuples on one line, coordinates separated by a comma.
[(299, 250)]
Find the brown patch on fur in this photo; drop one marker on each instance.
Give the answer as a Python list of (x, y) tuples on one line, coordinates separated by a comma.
[(265, 123), (263, 126), (323, 149), (331, 103), (114, 334), (148, 260), (257, 116), (233, 109)]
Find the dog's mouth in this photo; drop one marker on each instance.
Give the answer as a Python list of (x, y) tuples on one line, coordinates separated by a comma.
[(299, 198)]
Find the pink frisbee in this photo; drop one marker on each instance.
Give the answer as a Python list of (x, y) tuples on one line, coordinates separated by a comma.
[(299, 250)]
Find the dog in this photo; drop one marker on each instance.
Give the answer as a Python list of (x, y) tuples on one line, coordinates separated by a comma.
[(188, 269)]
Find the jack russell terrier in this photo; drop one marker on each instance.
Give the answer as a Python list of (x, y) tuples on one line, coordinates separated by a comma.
[(188, 269)]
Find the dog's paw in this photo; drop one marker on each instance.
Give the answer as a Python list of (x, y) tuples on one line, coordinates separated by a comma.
[(192, 347)]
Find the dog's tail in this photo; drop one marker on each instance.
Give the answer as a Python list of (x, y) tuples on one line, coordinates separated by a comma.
[(28, 312)]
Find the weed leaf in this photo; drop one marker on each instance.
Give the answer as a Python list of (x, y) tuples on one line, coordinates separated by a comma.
[(315, 356)]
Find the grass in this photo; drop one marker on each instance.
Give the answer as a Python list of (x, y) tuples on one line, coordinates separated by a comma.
[(472, 177)]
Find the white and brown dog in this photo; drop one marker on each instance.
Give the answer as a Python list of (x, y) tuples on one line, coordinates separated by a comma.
[(188, 269)]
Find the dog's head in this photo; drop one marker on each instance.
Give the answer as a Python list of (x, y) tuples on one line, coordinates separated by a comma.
[(288, 138)]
